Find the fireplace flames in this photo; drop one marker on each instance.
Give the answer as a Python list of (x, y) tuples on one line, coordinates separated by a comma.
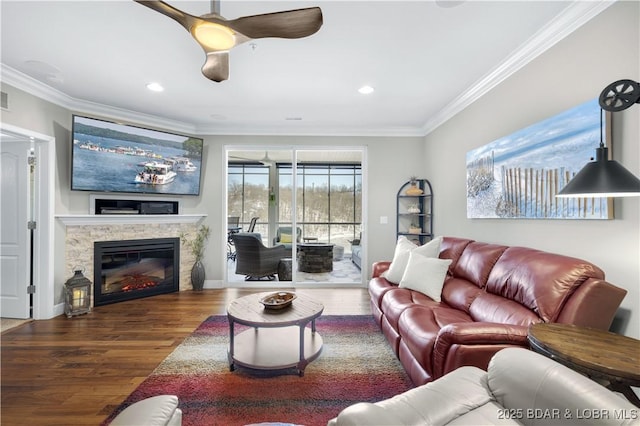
[(137, 282)]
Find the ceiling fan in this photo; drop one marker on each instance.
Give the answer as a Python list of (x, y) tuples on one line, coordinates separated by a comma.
[(265, 161), (217, 35)]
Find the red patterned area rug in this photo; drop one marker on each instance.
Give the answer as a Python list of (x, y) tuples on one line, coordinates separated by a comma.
[(356, 364)]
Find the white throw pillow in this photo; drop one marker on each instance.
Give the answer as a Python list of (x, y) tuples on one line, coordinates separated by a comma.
[(430, 249), (400, 259), (401, 256), (425, 274)]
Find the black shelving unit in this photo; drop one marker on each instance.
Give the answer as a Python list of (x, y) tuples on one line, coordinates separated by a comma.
[(415, 211)]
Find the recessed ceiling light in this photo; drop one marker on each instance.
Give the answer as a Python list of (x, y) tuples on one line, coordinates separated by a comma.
[(155, 87), (365, 90)]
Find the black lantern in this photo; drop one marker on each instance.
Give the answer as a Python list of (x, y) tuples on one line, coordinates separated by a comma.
[(77, 291)]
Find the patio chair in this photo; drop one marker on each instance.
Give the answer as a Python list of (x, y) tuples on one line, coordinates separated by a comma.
[(252, 224), (253, 259), (233, 226), (284, 236)]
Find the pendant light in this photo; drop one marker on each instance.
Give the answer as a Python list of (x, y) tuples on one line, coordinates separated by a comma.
[(604, 177)]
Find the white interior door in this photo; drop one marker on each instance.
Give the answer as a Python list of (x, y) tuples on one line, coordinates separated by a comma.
[(15, 241)]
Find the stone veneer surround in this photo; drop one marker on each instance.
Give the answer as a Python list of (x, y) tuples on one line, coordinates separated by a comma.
[(80, 239)]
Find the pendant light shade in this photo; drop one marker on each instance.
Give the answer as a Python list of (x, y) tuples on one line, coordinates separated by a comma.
[(604, 177)]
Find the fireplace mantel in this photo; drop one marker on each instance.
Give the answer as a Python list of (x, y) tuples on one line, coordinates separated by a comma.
[(123, 219)]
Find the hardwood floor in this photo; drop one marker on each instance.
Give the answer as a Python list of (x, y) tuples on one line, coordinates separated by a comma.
[(76, 371)]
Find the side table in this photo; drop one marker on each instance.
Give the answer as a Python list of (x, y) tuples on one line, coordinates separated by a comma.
[(596, 353), (285, 269)]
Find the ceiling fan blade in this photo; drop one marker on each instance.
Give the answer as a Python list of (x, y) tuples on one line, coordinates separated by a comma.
[(179, 16), (288, 24), (216, 67), (265, 160)]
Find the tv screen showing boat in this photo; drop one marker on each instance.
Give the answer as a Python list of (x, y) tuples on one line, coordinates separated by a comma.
[(115, 157)]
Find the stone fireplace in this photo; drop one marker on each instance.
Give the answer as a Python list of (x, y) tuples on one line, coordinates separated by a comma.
[(132, 269), (82, 231)]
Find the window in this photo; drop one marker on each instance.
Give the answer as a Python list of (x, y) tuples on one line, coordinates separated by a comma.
[(329, 200), (248, 194)]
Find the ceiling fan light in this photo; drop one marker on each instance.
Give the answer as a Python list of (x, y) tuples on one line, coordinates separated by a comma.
[(214, 36)]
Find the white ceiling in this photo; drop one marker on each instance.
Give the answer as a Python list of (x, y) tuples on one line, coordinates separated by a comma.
[(426, 60)]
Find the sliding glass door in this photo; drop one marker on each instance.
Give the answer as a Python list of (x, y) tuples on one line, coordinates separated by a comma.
[(308, 201)]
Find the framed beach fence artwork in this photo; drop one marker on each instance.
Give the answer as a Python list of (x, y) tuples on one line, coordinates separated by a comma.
[(519, 175)]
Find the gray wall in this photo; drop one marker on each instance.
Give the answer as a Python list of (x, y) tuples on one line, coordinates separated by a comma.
[(572, 72)]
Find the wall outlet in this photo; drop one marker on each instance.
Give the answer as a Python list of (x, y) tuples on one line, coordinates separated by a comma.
[(384, 220)]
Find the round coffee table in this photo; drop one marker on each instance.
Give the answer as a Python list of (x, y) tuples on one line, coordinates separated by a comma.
[(278, 339)]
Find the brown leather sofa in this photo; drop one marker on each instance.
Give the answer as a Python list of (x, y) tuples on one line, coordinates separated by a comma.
[(491, 294)]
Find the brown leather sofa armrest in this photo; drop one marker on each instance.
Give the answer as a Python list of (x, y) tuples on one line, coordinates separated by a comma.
[(481, 333), (454, 339), (379, 268), (594, 304)]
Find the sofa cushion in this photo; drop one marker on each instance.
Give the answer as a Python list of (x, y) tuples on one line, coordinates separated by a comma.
[(378, 286), (285, 238), (476, 262), (459, 293), (538, 280), (401, 256), (487, 307), (395, 301), (452, 248), (425, 274)]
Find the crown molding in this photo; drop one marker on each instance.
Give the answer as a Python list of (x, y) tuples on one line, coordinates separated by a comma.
[(573, 17), (312, 131), (47, 93)]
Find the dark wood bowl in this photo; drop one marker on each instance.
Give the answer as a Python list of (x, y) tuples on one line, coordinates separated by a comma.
[(278, 300)]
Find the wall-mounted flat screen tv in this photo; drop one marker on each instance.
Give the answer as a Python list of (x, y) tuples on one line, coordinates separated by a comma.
[(114, 157)]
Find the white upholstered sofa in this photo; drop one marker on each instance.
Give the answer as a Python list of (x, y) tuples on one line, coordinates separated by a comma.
[(520, 387), (161, 410)]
